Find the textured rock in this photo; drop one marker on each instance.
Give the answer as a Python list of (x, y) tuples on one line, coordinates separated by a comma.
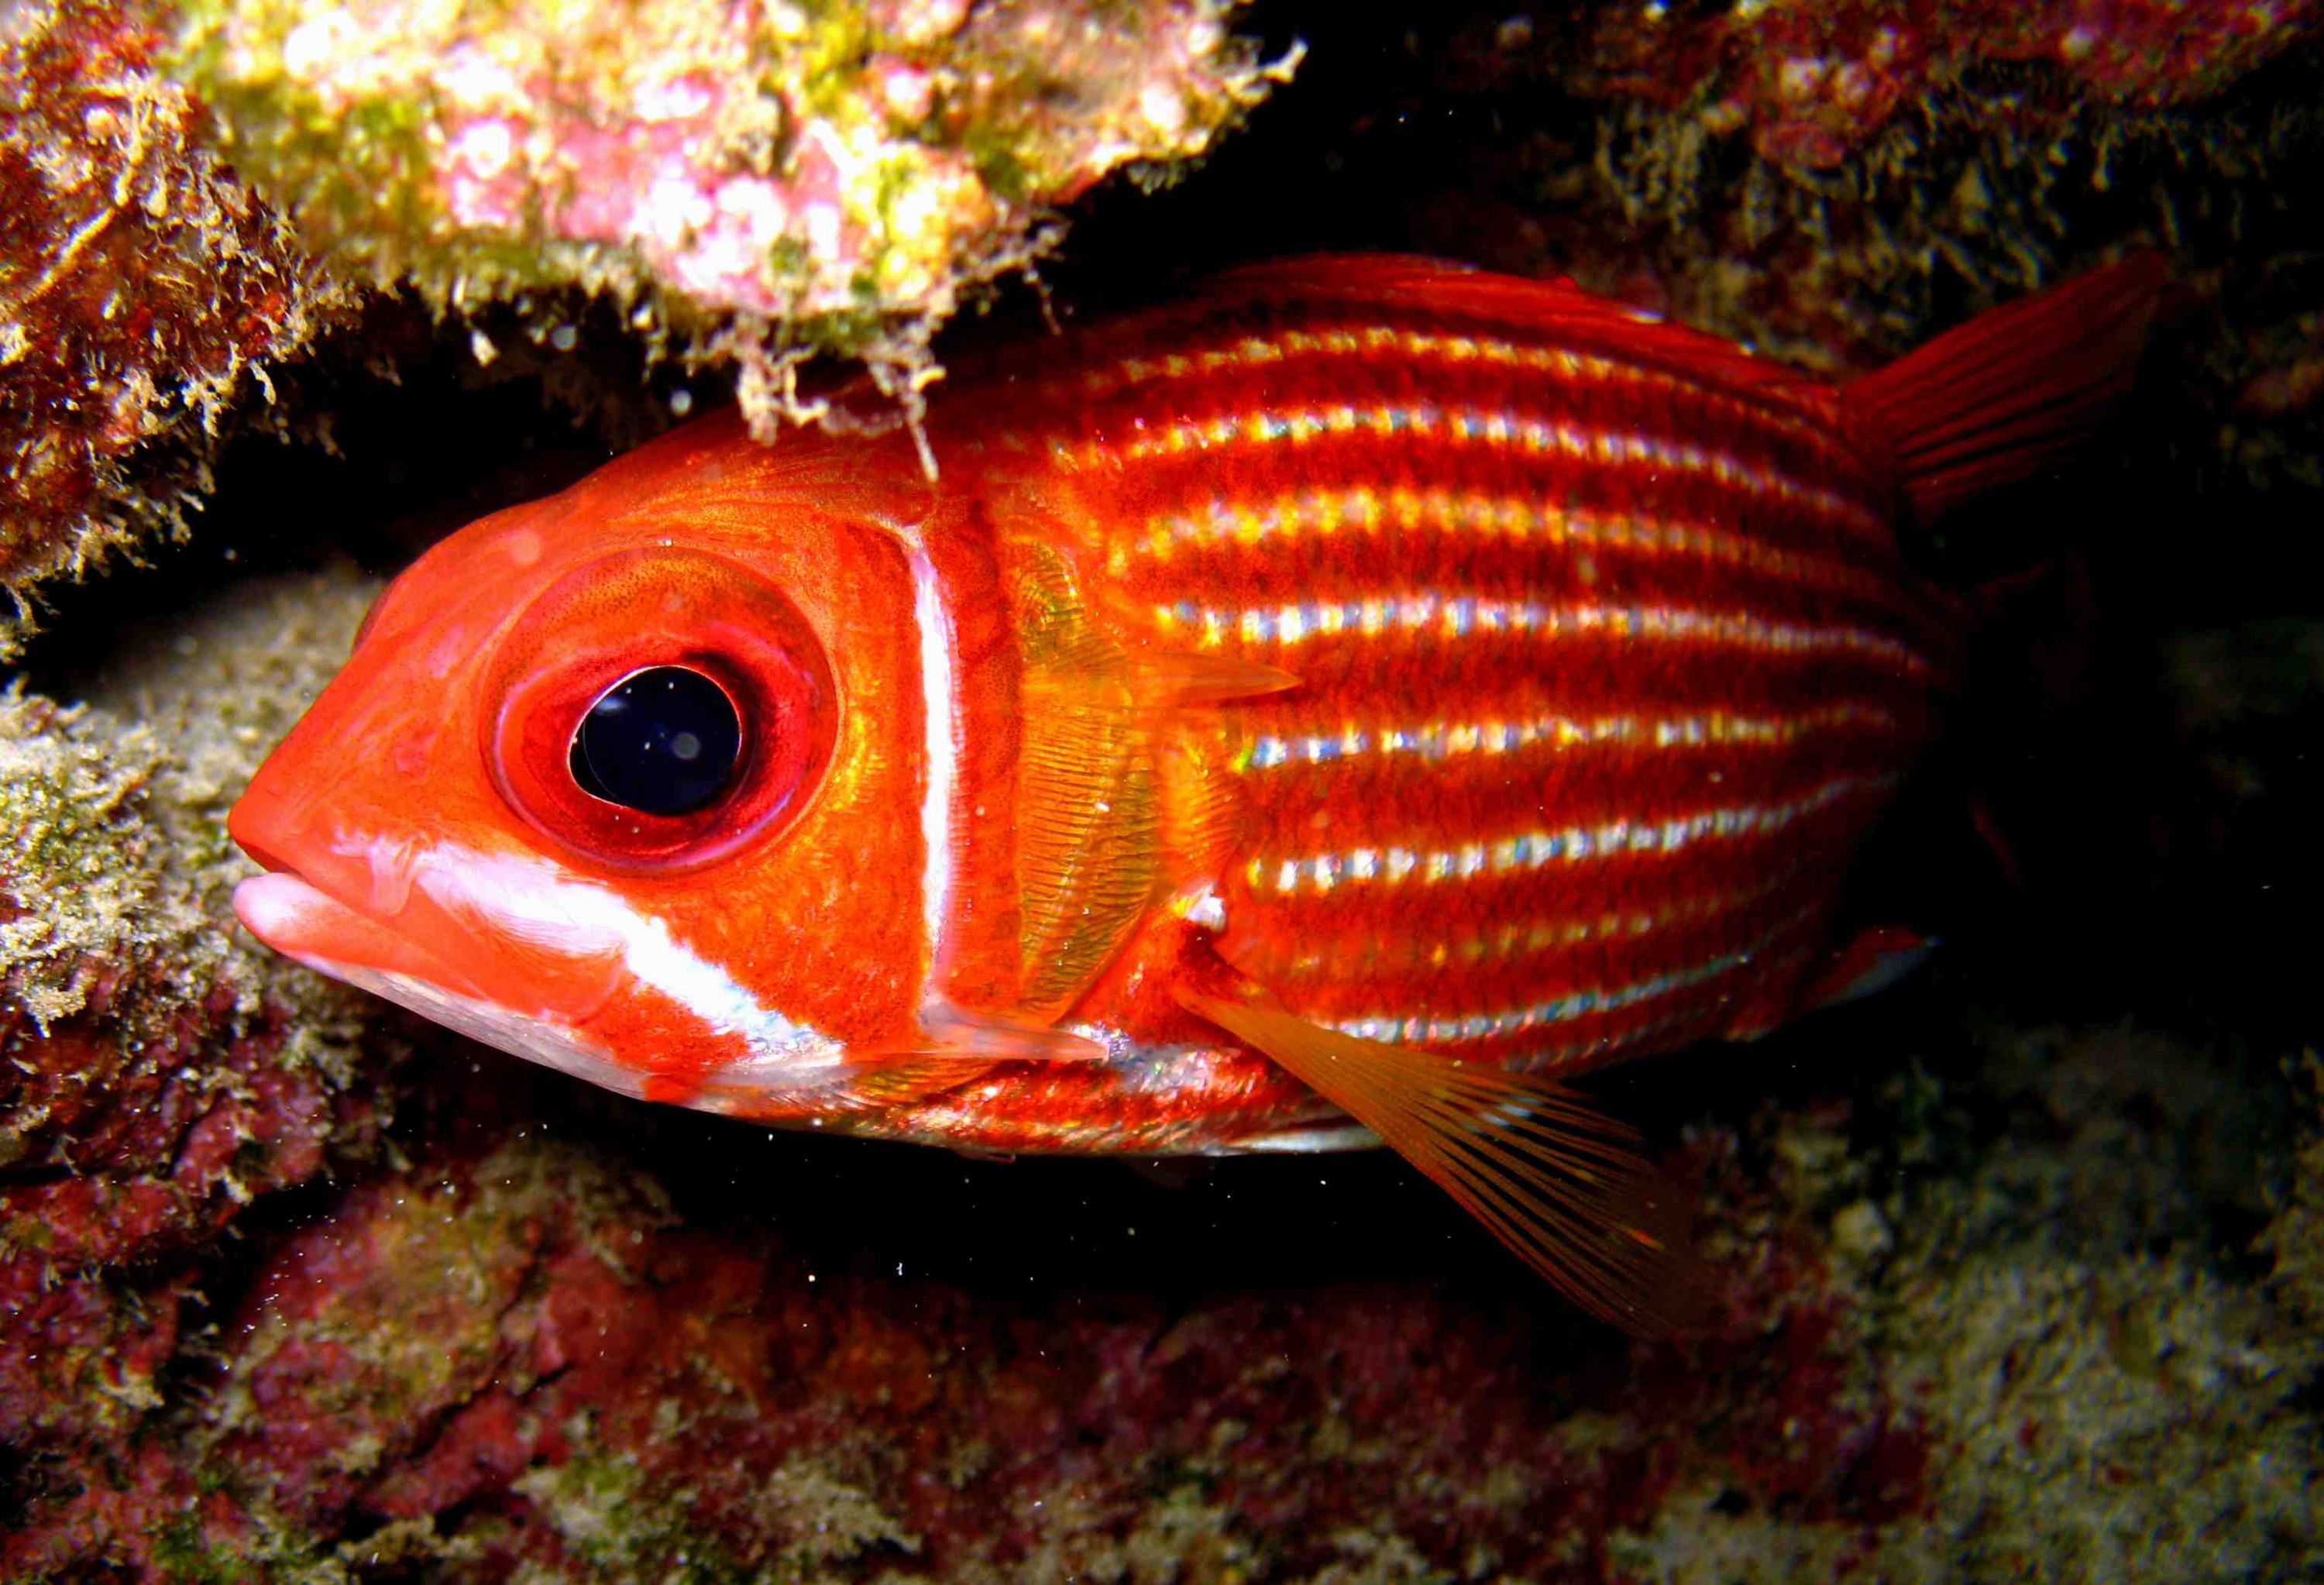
[(1810, 84), (142, 288), (771, 180), (517, 1354), (158, 1073)]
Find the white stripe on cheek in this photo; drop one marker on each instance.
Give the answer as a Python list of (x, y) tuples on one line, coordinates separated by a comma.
[(939, 748), (531, 900)]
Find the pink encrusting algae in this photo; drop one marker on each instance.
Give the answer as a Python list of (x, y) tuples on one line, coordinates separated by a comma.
[(768, 175), (1813, 83)]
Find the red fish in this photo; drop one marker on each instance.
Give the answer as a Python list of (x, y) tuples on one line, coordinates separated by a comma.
[(1320, 714)]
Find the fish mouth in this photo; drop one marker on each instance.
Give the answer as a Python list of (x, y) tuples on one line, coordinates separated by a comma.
[(300, 920)]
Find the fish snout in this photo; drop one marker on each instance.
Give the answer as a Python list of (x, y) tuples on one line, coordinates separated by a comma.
[(263, 826), (338, 895)]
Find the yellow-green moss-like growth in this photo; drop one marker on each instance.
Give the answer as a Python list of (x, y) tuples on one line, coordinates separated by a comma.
[(139, 284), (810, 176), (121, 970)]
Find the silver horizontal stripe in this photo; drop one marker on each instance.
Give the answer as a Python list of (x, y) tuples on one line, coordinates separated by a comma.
[(1458, 615), (1446, 739), (1574, 1004), (1533, 434), (1391, 865)]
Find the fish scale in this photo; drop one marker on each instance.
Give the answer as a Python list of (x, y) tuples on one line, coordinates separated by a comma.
[(1305, 469), (1294, 719)]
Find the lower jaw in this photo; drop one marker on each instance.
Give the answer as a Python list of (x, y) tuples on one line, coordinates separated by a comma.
[(535, 1039)]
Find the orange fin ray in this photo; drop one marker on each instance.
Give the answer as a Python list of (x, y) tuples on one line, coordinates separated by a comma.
[(955, 1035), (1558, 1182)]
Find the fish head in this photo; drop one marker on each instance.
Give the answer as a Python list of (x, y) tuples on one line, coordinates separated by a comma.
[(628, 781)]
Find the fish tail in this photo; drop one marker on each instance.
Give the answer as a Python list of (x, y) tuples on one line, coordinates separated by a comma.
[(1990, 403)]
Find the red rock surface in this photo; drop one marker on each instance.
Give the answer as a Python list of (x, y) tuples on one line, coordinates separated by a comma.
[(519, 1344), (140, 284)]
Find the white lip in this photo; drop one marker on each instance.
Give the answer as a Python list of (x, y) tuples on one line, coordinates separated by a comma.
[(540, 1040), (300, 920), (261, 900), (527, 901), (285, 911), (277, 906)]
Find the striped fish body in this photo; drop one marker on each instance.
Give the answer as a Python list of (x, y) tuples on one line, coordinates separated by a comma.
[(1606, 661), (1316, 712)]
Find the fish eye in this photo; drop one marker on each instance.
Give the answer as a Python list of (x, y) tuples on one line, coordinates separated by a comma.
[(654, 710), (663, 740)]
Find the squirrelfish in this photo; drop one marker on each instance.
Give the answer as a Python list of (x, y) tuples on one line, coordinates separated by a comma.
[(1326, 712)]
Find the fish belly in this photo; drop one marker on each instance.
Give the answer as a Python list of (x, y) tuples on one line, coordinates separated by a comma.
[(1604, 671)]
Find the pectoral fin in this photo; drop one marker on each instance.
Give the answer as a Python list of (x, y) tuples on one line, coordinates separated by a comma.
[(952, 1033), (1559, 1183), (1091, 781)]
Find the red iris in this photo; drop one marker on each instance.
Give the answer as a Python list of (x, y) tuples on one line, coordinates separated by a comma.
[(623, 614)]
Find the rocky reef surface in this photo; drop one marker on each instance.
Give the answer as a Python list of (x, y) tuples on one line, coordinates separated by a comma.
[(142, 289), (2021, 1267), (192, 190)]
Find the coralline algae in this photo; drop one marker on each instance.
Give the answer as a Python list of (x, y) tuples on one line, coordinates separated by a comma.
[(760, 178)]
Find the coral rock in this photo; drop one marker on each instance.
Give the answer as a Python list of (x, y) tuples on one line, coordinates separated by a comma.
[(157, 1072), (843, 168), (1813, 83), (140, 284)]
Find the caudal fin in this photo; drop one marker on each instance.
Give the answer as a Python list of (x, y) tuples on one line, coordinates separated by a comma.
[(1989, 403)]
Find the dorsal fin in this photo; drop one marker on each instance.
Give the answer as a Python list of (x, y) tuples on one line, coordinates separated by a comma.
[(1559, 1183), (1560, 308)]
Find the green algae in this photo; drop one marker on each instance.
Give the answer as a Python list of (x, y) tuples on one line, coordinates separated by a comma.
[(614, 1518), (209, 698), (1993, 180), (84, 869), (2096, 1410), (2293, 1240), (183, 1556), (1042, 97)]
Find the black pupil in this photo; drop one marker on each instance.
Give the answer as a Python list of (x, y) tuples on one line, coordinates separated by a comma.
[(662, 741)]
